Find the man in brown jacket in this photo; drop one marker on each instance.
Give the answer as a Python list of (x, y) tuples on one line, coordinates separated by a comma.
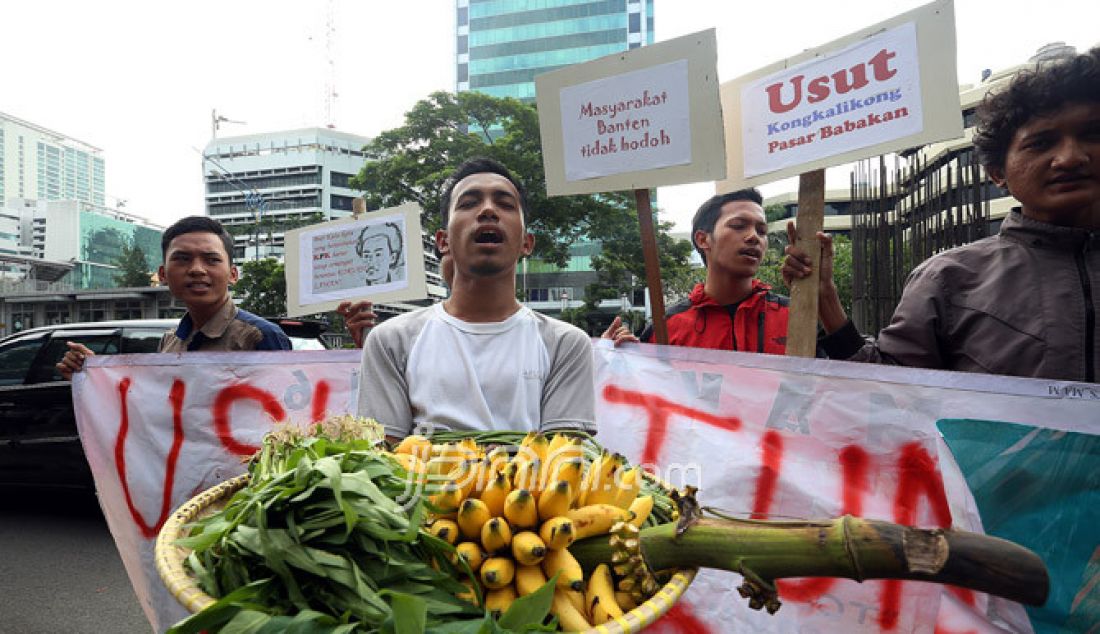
[(1026, 301)]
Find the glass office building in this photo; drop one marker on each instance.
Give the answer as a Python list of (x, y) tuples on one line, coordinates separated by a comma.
[(101, 240), (38, 163), (502, 44)]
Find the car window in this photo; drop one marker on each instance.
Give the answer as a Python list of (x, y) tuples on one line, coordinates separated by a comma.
[(301, 343), (56, 348), (135, 341), (16, 358)]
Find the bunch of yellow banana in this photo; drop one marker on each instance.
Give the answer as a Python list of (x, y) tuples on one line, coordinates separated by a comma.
[(512, 513)]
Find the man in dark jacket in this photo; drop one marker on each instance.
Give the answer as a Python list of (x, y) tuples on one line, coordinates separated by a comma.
[(731, 310), (1025, 302)]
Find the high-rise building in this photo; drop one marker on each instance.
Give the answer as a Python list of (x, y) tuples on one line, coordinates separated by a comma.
[(503, 44), (261, 184), (39, 163)]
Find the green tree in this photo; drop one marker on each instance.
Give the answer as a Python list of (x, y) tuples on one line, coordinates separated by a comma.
[(620, 265), (774, 212), (262, 284), (409, 164), (133, 267), (770, 270)]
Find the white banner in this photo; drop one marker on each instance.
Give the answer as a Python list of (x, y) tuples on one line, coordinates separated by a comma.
[(762, 435)]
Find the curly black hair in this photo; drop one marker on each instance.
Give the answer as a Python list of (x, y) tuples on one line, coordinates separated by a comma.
[(1033, 92)]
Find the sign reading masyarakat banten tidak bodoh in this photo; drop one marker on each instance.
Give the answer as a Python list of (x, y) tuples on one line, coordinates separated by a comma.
[(633, 120), (884, 88), (627, 123), (865, 95)]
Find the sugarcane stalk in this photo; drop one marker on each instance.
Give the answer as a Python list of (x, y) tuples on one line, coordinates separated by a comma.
[(847, 547)]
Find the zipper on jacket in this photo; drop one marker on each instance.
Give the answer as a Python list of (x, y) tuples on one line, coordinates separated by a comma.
[(732, 310), (760, 331), (1090, 315)]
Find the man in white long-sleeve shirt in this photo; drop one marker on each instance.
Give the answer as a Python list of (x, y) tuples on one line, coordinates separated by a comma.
[(479, 360)]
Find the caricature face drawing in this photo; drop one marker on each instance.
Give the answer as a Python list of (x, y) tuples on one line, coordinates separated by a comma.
[(376, 252), (381, 248)]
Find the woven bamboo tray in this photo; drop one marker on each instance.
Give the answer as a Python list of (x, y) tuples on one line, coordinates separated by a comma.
[(170, 565)]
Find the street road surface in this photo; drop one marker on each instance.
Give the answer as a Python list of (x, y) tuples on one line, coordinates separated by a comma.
[(59, 570)]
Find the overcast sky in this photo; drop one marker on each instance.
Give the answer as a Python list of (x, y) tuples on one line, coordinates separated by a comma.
[(139, 79)]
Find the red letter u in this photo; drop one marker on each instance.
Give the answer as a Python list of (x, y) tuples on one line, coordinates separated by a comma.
[(775, 97)]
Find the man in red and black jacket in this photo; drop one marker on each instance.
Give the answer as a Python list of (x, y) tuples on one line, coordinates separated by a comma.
[(731, 310)]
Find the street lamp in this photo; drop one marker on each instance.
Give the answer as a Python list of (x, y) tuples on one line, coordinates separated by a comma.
[(564, 301)]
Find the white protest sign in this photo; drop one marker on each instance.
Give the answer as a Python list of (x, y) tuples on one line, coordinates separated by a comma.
[(866, 95), (884, 88), (605, 134), (377, 256), (761, 435), (633, 120)]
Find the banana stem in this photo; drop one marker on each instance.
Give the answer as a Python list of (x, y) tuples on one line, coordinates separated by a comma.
[(847, 547)]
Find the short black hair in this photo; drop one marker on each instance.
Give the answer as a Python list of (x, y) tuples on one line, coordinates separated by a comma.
[(479, 165), (391, 232), (196, 224), (1037, 91), (708, 213)]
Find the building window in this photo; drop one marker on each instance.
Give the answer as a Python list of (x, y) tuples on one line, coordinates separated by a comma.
[(58, 314), (463, 44), (538, 294), (463, 72), (22, 317), (93, 311), (128, 309), (339, 179), (970, 117), (341, 203), (635, 23)]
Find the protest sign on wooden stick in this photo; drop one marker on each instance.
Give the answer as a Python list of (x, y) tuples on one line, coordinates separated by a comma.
[(634, 121)]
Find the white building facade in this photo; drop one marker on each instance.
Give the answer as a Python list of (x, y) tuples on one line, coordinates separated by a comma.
[(286, 177), (88, 238), (38, 163)]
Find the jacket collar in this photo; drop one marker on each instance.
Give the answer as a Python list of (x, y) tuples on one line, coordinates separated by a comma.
[(212, 329), (700, 299), (1043, 235)]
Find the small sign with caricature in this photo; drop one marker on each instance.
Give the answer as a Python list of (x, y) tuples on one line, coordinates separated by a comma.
[(377, 256)]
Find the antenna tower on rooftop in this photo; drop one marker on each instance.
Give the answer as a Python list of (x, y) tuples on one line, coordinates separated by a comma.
[(330, 60)]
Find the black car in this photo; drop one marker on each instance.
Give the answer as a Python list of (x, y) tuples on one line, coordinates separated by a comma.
[(39, 445)]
